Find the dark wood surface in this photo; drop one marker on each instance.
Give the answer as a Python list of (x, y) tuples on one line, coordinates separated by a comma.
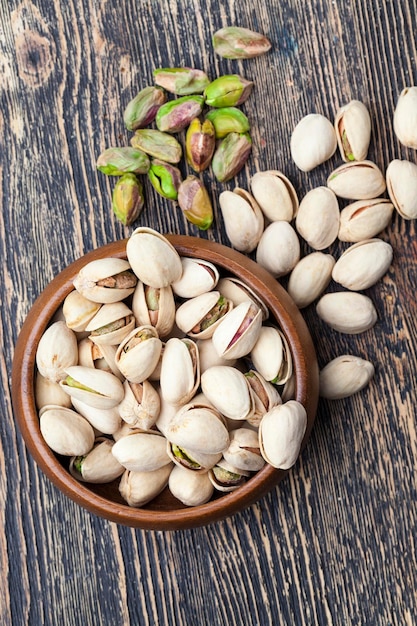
[(335, 543)]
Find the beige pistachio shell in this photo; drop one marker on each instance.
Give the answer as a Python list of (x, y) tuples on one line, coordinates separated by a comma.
[(105, 280), (353, 131), (265, 395), (190, 488), (57, 350), (226, 478), (238, 331), (99, 357), (192, 312), (347, 311), (106, 421), (141, 452), (141, 405), (111, 324), (198, 276), (317, 219), (405, 117), (363, 264), (244, 451), (66, 432), (155, 307), (344, 376), (310, 277), (194, 460), (281, 433), (153, 259), (197, 427), (358, 180), (47, 392), (365, 219), (278, 250), (93, 387), (313, 141), (139, 488), (98, 466), (402, 187), (166, 413), (243, 219), (228, 390), (238, 291), (209, 356), (138, 354), (180, 371), (275, 195), (271, 355), (78, 311)]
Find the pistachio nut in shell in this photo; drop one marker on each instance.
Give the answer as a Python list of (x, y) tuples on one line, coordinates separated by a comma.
[(281, 433), (138, 354), (111, 324), (198, 317), (244, 451), (139, 488), (57, 349), (363, 264), (243, 219), (271, 355), (199, 428), (141, 405), (278, 249), (357, 180), (313, 141), (236, 42), (180, 371), (106, 280), (100, 357), (106, 421), (228, 390), (66, 432), (119, 161), (198, 462), (265, 395), (353, 131), (275, 194), (227, 91), (231, 155), (238, 291), (310, 277), (405, 117), (141, 452), (402, 187), (190, 488), (318, 216), (343, 376), (48, 392), (175, 115), (153, 258), (225, 477), (94, 387), (238, 331), (157, 144), (200, 143), (142, 109), (347, 311), (98, 466), (198, 276), (182, 81), (154, 306), (364, 219), (78, 310), (209, 356), (194, 201)]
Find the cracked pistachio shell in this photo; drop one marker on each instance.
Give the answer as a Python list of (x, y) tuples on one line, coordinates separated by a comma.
[(141, 110), (363, 264), (310, 277), (243, 219), (154, 306), (275, 194), (405, 117), (99, 357), (281, 433), (106, 421), (140, 406), (142, 451), (180, 371), (347, 311), (313, 141), (198, 276), (244, 451), (364, 219), (238, 291), (317, 219), (228, 390), (157, 144), (152, 258), (236, 42), (189, 487), (208, 355), (225, 477), (198, 317), (402, 187), (97, 466), (57, 349), (353, 131), (138, 354), (48, 392), (111, 324), (265, 394), (271, 355), (197, 427), (344, 376), (105, 280), (278, 249), (238, 331), (65, 431), (199, 462), (94, 387), (139, 488), (358, 180), (78, 311)]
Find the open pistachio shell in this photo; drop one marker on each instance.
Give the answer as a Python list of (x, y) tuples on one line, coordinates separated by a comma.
[(65, 431), (281, 433), (244, 451), (57, 350), (238, 291), (238, 331), (228, 390), (141, 452), (194, 460), (138, 354), (153, 259), (78, 311), (200, 428), (363, 264), (402, 187), (48, 392), (155, 307), (243, 219), (99, 357), (198, 276), (105, 280), (141, 404), (275, 194), (271, 355), (358, 180), (405, 117), (139, 488), (199, 316), (94, 387), (265, 395), (180, 371), (364, 219), (98, 466), (353, 131), (111, 324), (106, 421), (225, 477)]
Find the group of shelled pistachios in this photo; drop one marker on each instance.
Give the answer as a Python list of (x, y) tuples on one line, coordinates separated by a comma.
[(162, 371), (260, 222)]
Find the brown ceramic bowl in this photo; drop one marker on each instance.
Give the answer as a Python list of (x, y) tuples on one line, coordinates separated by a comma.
[(165, 512)]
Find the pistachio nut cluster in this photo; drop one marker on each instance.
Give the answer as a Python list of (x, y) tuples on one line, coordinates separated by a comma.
[(160, 371)]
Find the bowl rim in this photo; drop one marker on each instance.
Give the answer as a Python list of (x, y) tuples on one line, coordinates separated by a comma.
[(44, 308)]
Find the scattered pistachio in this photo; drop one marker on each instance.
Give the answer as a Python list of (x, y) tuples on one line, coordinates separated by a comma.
[(182, 81), (176, 115), (228, 120), (200, 142), (119, 161), (195, 202), (141, 111), (227, 91), (165, 178), (231, 155), (235, 42), (127, 199), (157, 144)]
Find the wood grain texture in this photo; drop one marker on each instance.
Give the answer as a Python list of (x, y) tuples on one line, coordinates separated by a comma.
[(336, 542)]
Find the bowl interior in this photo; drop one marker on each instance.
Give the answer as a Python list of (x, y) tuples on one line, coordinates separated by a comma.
[(165, 512)]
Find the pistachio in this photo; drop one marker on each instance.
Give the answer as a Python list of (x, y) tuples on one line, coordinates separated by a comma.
[(153, 259), (105, 280), (127, 199), (231, 155), (228, 91), (142, 451), (198, 276), (363, 264), (180, 371), (278, 249), (200, 142), (176, 115), (78, 311), (317, 219), (190, 488), (238, 331), (106, 421), (235, 42), (48, 392), (313, 141), (101, 357), (271, 356), (65, 431), (358, 180), (243, 451), (199, 428), (57, 350), (140, 406), (238, 291), (157, 144), (141, 110), (281, 433), (229, 391), (165, 179), (353, 131), (364, 219), (344, 376), (119, 161), (195, 203), (154, 306), (347, 311), (405, 117), (402, 187), (182, 81), (96, 388), (138, 354), (198, 317), (226, 478), (242, 218), (98, 466), (139, 488), (265, 394), (228, 120), (310, 277), (111, 324), (275, 194)]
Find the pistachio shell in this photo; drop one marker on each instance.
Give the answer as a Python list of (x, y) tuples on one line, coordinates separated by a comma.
[(281, 434), (265, 395), (106, 421), (209, 356), (57, 349), (363, 264), (199, 428), (78, 311), (225, 477), (402, 187), (48, 392), (347, 311), (94, 387), (358, 180), (138, 354), (198, 317), (139, 488), (194, 460), (228, 390), (313, 141), (317, 219), (405, 117), (154, 307), (238, 331), (141, 452), (98, 357), (111, 324), (238, 291), (344, 376), (66, 432), (180, 371), (140, 406), (98, 466), (310, 278), (243, 451), (105, 280), (198, 276), (278, 249), (353, 131), (364, 219), (275, 194), (243, 219), (191, 488), (153, 259), (271, 355)]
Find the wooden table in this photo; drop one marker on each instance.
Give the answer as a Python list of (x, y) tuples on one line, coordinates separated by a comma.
[(336, 542)]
